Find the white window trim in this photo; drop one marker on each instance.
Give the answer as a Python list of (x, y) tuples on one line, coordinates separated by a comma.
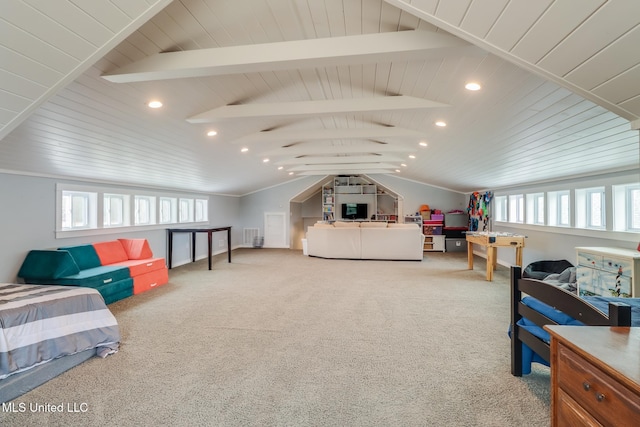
[(99, 229)]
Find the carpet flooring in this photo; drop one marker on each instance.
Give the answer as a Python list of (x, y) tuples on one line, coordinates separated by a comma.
[(276, 338)]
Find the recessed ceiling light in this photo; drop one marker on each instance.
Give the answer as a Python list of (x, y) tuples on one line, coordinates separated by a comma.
[(404, 165), (212, 133), (441, 123), (472, 86), (411, 156), (280, 168), (398, 170), (244, 149), (423, 144), (265, 160), (290, 173), (154, 104)]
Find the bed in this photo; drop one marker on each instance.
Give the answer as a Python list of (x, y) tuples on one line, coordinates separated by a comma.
[(46, 330), (547, 304)]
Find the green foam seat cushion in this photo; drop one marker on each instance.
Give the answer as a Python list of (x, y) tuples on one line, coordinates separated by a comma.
[(48, 264), (92, 277)]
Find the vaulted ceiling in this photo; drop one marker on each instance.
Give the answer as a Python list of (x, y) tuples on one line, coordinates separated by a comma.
[(319, 88)]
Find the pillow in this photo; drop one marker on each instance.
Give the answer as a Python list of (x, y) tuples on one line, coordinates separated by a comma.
[(136, 248), (48, 264), (110, 252), (85, 256), (375, 224), (346, 224)]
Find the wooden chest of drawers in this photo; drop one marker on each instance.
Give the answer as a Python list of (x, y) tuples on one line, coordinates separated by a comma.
[(595, 376)]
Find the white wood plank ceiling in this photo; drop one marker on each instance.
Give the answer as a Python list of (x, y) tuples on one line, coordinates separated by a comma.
[(319, 88)]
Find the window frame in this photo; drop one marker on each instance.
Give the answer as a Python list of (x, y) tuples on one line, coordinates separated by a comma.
[(130, 217)]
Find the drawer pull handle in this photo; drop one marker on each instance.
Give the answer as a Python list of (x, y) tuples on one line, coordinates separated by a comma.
[(586, 386), (599, 397)]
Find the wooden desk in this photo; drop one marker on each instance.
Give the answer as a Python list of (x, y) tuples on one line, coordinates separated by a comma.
[(195, 231), (492, 243), (595, 375)]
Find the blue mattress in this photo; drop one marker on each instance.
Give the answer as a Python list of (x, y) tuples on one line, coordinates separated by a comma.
[(599, 302)]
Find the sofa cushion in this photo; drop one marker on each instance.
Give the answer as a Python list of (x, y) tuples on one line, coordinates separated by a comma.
[(346, 224), (84, 255), (409, 225), (136, 248), (110, 252), (48, 264), (150, 280), (375, 224), (321, 225)]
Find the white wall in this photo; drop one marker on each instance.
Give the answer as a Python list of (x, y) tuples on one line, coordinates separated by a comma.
[(545, 243), (415, 194), (28, 222)]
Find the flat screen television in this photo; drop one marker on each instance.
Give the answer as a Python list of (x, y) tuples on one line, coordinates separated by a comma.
[(354, 211)]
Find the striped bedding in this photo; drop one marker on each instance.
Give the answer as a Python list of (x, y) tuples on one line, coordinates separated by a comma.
[(41, 323)]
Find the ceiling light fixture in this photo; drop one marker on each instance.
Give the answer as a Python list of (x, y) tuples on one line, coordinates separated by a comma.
[(154, 104), (472, 86), (212, 133), (398, 170), (404, 165), (411, 156), (423, 144), (290, 173), (280, 168), (441, 123), (244, 149), (265, 160)]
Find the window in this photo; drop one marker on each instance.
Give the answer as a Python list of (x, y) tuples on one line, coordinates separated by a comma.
[(559, 208), (626, 207), (168, 210), (516, 208), (535, 208), (501, 208), (590, 208), (116, 209), (90, 210), (201, 213), (145, 210), (186, 210), (78, 210)]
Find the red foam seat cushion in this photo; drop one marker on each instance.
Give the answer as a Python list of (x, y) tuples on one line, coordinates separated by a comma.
[(150, 280), (142, 266), (136, 248), (110, 252)]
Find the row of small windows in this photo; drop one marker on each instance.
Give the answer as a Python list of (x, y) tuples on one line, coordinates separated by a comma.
[(80, 210), (554, 208)]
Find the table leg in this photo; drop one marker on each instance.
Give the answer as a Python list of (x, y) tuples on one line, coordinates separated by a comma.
[(490, 262), (519, 256), (170, 247), (470, 255), (193, 246), (210, 244)]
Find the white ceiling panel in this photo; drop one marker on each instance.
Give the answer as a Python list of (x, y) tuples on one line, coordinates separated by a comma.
[(332, 87)]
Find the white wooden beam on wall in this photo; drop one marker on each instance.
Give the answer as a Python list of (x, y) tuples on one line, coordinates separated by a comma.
[(334, 160), (314, 108), (305, 149), (297, 54), (284, 136)]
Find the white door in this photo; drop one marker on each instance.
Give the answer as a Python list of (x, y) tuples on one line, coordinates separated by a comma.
[(275, 230)]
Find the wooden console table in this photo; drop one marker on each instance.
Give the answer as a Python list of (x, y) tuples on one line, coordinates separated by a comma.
[(595, 375), (492, 242), (195, 231)]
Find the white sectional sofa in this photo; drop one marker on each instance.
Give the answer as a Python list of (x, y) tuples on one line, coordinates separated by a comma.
[(366, 240)]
